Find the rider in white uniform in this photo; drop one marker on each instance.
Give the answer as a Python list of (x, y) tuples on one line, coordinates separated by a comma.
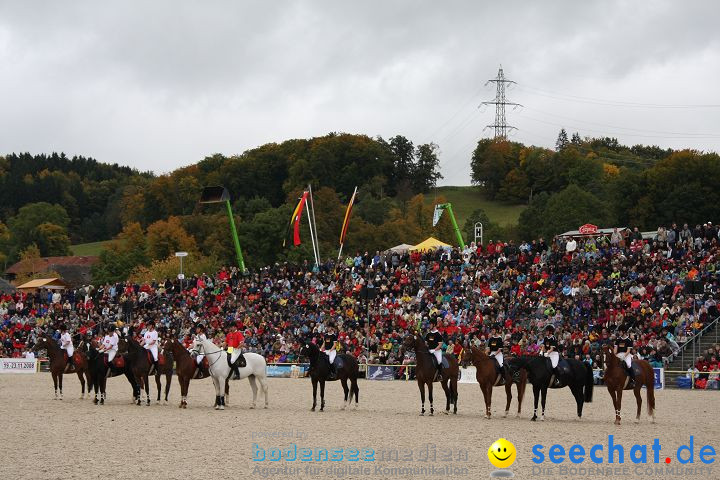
[(200, 337), (66, 343), (110, 343), (495, 346), (623, 349), (150, 341), (550, 347)]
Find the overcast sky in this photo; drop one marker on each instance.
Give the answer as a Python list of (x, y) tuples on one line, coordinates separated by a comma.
[(158, 85)]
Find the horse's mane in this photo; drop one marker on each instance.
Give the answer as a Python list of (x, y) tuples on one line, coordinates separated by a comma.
[(420, 345)]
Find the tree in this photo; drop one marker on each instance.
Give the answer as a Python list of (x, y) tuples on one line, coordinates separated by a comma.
[(52, 240), (576, 140), (569, 209), (122, 256), (427, 171), (165, 237), (24, 225), (562, 140), (403, 154), (515, 186)]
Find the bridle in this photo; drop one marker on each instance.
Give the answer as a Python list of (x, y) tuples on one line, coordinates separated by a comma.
[(196, 351)]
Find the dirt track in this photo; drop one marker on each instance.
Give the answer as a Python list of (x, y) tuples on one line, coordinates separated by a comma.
[(74, 439)]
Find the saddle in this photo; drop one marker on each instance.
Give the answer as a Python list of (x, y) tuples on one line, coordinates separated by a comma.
[(445, 364), (563, 368), (499, 372), (240, 362), (630, 375), (161, 358), (337, 364), (202, 370), (118, 362)]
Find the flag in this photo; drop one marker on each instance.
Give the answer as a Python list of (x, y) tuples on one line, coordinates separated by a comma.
[(437, 214), (346, 221), (295, 220)]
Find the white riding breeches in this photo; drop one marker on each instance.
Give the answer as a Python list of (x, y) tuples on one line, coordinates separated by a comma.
[(554, 358), (235, 354), (625, 357), (111, 355), (499, 357), (331, 355), (70, 350), (154, 350), (438, 355), (199, 359)]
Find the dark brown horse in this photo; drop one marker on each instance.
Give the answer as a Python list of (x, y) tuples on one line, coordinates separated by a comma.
[(425, 373), (487, 376), (100, 369), (616, 379), (165, 369), (138, 364), (320, 373), (59, 365), (185, 367)]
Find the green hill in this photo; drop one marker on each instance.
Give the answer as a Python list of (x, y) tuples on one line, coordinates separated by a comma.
[(465, 200), (88, 249)]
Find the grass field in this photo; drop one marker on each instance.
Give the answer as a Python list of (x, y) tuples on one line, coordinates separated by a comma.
[(88, 249), (467, 199)]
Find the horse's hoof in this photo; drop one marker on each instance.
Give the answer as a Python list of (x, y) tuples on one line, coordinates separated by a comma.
[(312, 409), (533, 419), (217, 407), (637, 420), (542, 419), (431, 414), (265, 407), (454, 412), (222, 407), (422, 414)]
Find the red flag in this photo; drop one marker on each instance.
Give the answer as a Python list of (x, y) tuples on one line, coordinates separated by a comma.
[(295, 220), (346, 221)]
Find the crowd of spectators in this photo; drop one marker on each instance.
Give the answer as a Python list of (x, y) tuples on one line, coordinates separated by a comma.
[(585, 287)]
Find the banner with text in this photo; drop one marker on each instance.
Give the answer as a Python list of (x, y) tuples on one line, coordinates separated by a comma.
[(18, 365)]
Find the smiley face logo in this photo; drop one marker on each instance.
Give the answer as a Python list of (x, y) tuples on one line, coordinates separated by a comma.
[(502, 453)]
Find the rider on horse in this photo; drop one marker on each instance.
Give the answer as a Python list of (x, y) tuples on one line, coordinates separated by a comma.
[(329, 346), (66, 343), (550, 348), (200, 337), (150, 342), (495, 346), (110, 343), (235, 340), (623, 350), (434, 341)]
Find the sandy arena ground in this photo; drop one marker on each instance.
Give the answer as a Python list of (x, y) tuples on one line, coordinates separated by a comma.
[(74, 439)]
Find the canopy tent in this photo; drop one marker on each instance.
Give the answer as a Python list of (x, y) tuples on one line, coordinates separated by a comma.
[(597, 232), (47, 283), (402, 248), (430, 243)]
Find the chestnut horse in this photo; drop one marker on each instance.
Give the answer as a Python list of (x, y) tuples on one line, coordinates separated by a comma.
[(425, 373), (59, 365), (488, 377), (185, 367), (616, 379), (165, 369)]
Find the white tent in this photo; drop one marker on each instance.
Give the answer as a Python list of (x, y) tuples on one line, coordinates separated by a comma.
[(402, 248)]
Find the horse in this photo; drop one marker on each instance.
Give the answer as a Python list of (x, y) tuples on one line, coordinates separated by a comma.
[(166, 368), (100, 369), (59, 365), (219, 360), (488, 377), (572, 373), (138, 365), (186, 368), (616, 379), (347, 368), (425, 373)]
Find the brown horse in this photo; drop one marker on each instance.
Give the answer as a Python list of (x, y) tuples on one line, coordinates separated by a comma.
[(186, 368), (59, 365), (425, 374), (487, 376), (138, 365), (616, 379), (165, 369)]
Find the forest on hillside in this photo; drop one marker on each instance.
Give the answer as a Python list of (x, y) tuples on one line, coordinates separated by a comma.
[(51, 201)]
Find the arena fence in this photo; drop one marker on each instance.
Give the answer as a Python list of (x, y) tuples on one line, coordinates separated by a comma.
[(380, 371)]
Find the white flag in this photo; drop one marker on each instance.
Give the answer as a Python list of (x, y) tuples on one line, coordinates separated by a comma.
[(437, 214)]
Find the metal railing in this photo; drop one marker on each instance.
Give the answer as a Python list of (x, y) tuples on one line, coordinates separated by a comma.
[(694, 341)]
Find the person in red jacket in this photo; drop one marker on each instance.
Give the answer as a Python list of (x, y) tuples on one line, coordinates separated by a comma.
[(235, 340)]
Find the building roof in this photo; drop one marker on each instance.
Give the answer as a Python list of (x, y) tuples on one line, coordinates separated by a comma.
[(50, 283), (49, 263)]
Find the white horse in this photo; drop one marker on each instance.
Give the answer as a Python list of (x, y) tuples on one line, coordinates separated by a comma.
[(220, 371)]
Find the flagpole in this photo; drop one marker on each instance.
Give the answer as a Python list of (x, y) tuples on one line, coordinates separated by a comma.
[(317, 240), (346, 223), (312, 237)]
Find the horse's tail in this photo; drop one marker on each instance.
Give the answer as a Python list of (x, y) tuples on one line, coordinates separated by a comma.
[(589, 382), (650, 390)]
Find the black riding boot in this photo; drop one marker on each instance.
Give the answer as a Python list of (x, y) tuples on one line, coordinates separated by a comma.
[(439, 371), (236, 372)]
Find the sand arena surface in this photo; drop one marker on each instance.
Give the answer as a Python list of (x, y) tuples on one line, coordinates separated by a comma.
[(74, 439)]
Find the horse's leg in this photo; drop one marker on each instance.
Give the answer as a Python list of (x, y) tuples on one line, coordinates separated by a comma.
[(82, 384), (168, 381), (618, 409), (354, 389), (146, 379), (322, 395), (346, 391), (638, 387), (454, 392), (421, 386), (88, 380), (544, 391), (254, 388), (536, 397), (430, 398), (446, 388), (103, 387), (55, 383), (487, 396), (314, 384), (577, 392), (264, 386), (508, 396), (158, 384), (521, 395)]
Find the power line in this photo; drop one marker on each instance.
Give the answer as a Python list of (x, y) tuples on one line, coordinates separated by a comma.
[(500, 126)]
